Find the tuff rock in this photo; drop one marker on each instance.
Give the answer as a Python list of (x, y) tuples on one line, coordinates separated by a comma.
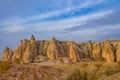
[(29, 50)]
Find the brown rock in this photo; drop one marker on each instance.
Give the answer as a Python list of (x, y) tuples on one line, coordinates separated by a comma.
[(30, 53), (53, 51), (97, 51), (90, 48), (32, 39), (118, 53), (7, 54), (30, 50), (17, 54), (41, 47), (108, 52), (75, 52), (20, 50), (85, 51)]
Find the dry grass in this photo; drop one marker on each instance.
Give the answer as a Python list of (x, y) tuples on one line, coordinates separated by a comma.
[(4, 66), (76, 71)]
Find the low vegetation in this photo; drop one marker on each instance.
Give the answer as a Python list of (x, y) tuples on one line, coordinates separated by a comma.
[(75, 71), (4, 66), (75, 75)]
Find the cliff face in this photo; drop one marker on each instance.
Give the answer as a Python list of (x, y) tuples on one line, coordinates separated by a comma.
[(29, 50)]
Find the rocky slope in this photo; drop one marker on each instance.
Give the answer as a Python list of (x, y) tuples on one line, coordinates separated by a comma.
[(33, 50)]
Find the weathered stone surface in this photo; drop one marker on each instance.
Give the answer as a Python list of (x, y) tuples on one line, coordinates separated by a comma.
[(32, 38), (53, 52), (30, 53), (29, 50), (74, 53), (7, 54), (97, 51), (17, 54), (118, 53), (108, 52), (90, 48)]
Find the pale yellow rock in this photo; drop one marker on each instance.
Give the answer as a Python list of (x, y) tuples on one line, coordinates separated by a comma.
[(108, 52), (30, 53), (52, 50), (29, 50), (118, 53), (17, 53), (75, 54), (97, 51), (7, 54)]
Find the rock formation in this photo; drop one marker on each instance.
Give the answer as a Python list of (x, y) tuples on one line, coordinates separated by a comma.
[(7, 54), (108, 52), (97, 51), (118, 53), (29, 50)]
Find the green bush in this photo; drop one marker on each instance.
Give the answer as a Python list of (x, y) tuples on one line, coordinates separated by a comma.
[(4, 66)]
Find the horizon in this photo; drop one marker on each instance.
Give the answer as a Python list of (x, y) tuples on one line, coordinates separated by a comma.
[(77, 20)]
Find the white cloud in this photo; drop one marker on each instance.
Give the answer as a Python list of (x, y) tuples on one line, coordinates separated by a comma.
[(56, 25), (95, 32), (11, 26), (68, 23), (19, 24), (66, 10), (12, 29)]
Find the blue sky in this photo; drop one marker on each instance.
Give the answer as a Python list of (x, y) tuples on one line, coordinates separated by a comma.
[(79, 20)]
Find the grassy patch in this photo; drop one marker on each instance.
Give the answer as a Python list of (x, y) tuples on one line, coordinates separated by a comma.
[(76, 75), (4, 66)]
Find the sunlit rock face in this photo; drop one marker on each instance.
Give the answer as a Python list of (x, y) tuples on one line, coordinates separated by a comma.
[(118, 53), (7, 54), (97, 51), (108, 52), (29, 50)]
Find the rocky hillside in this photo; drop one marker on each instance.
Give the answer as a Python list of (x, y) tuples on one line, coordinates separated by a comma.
[(39, 50)]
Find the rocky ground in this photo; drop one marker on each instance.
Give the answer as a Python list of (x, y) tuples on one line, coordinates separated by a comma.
[(62, 71)]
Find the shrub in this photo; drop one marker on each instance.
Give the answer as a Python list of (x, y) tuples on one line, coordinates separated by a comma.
[(110, 70), (76, 75), (98, 65), (61, 60), (4, 66), (17, 61), (91, 76), (47, 78), (84, 64)]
